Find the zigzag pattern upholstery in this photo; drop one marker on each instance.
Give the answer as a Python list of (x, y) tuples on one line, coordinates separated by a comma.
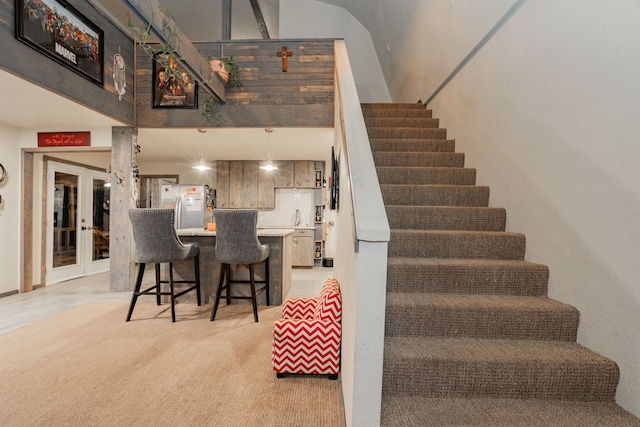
[(307, 338)]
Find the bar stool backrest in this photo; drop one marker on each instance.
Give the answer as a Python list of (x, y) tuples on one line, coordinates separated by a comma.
[(237, 238)]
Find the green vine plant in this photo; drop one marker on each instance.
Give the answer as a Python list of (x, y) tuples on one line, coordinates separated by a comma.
[(166, 54), (163, 54)]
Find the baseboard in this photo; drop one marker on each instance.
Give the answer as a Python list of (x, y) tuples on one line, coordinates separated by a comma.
[(6, 294)]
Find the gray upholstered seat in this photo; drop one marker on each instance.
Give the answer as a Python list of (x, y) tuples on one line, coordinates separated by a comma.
[(156, 242), (237, 243)]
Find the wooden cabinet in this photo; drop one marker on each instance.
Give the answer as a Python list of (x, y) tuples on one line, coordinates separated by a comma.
[(303, 249), (304, 174), (236, 172), (295, 174), (283, 176), (242, 184), (266, 189)]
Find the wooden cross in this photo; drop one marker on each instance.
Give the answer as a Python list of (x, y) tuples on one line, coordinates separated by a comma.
[(284, 54)]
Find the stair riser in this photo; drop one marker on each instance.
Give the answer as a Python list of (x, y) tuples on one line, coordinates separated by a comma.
[(429, 244), (426, 176), (446, 218), (482, 322), (468, 280), (413, 145), (402, 122), (406, 133), (444, 378), (444, 160), (415, 195)]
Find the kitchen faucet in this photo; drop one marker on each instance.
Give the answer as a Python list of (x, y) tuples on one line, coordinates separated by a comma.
[(298, 220)]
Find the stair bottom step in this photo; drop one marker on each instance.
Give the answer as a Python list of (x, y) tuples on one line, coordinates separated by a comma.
[(424, 412)]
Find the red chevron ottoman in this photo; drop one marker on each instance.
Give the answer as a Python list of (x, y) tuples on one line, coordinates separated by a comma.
[(307, 338)]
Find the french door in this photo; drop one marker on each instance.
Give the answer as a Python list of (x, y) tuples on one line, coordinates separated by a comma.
[(77, 226)]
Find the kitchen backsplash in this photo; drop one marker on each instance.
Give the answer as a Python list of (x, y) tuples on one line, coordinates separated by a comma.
[(284, 215)]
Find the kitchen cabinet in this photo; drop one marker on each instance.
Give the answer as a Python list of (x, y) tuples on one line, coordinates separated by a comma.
[(242, 184), (303, 248), (266, 189), (222, 185), (295, 174), (304, 174), (283, 176), (236, 173)]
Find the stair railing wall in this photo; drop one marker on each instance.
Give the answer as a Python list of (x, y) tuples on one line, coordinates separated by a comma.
[(360, 264)]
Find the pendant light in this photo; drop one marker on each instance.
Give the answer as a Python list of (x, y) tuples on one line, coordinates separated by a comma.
[(202, 166), (269, 166)]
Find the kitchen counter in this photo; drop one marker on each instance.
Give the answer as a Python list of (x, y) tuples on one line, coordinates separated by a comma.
[(262, 232), (280, 257)]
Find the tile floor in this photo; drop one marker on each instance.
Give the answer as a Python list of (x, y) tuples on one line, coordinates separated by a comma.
[(19, 310)]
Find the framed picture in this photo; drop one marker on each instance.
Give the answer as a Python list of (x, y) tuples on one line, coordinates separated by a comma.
[(60, 32), (173, 87)]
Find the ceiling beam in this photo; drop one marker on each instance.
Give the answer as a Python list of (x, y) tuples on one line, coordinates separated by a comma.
[(163, 26), (262, 26), (226, 19)]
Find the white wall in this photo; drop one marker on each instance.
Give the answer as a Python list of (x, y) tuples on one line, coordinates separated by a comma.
[(314, 19), (548, 113), (9, 210)]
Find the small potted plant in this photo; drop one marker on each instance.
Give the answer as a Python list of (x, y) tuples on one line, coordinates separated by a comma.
[(227, 69)]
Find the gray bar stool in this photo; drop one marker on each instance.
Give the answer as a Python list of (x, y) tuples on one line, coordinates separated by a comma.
[(157, 242), (237, 243)]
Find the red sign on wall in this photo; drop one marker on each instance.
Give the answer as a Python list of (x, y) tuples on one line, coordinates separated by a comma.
[(64, 139)]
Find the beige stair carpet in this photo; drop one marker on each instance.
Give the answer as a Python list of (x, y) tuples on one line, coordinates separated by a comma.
[(471, 337)]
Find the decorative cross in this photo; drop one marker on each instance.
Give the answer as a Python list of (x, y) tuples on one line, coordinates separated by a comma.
[(284, 54)]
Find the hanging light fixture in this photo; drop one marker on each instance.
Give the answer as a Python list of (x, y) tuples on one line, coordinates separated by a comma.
[(269, 166), (202, 166)]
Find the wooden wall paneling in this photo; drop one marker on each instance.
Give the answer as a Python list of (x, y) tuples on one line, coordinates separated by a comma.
[(303, 96), (266, 189), (250, 184), (235, 184), (29, 64)]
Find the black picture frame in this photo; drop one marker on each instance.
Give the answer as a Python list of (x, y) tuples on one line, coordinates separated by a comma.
[(172, 91), (59, 31)]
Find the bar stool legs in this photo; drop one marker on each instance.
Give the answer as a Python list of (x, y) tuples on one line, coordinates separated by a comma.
[(225, 285)]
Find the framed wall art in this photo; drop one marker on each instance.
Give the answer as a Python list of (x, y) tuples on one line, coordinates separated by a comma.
[(173, 87), (56, 29)]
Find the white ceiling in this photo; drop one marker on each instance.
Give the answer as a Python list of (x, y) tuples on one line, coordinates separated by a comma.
[(33, 107)]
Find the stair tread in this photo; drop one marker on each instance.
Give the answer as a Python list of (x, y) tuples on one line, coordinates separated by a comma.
[(458, 233), (525, 304), (479, 350), (401, 411), (465, 262)]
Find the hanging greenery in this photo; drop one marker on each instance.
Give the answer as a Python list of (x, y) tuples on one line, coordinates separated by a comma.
[(166, 53)]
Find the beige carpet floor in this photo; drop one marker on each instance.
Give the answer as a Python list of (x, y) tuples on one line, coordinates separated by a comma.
[(87, 367)]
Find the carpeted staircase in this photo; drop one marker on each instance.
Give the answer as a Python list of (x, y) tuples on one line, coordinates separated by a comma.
[(471, 337)]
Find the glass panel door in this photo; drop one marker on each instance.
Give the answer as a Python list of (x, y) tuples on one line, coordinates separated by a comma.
[(97, 221), (78, 206), (64, 222)]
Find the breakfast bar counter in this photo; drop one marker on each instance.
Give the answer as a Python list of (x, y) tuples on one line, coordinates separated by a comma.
[(280, 253)]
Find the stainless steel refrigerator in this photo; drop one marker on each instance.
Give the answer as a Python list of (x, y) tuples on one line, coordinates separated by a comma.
[(193, 204)]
